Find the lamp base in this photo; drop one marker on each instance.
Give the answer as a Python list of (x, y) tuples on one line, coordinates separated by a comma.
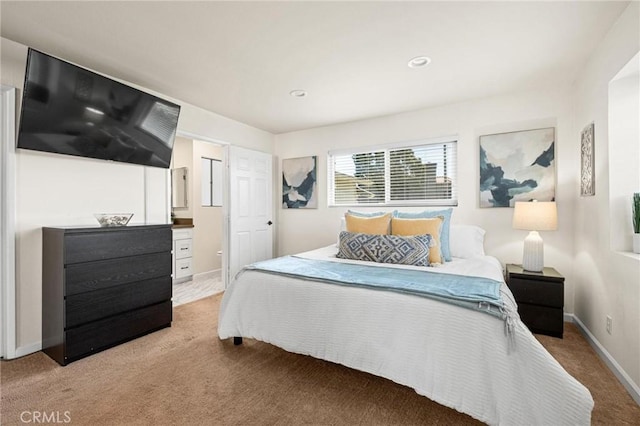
[(533, 253)]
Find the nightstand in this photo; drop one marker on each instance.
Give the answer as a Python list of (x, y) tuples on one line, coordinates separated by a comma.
[(540, 298)]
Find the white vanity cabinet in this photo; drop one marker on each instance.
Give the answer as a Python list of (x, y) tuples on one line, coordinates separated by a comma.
[(182, 248)]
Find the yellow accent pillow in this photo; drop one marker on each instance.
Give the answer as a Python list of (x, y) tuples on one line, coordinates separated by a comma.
[(432, 226), (378, 225)]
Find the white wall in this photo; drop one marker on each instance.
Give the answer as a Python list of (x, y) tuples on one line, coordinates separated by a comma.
[(607, 280), (58, 190), (469, 120)]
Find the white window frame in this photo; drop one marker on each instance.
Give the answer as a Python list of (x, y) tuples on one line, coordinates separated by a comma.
[(386, 148), (212, 182)]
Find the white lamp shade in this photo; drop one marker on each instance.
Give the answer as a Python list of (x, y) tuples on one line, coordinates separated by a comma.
[(535, 215)]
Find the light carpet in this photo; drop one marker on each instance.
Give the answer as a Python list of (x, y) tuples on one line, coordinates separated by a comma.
[(184, 375)]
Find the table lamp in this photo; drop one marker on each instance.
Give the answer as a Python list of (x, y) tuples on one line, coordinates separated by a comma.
[(534, 216)]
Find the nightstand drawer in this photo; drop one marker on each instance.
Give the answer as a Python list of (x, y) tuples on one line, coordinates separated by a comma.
[(543, 293), (540, 319)]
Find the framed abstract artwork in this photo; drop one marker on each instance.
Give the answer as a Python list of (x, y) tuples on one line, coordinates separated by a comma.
[(517, 166), (587, 162), (299, 183)]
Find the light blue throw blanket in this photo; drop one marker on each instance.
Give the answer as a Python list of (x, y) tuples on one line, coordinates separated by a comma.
[(481, 294)]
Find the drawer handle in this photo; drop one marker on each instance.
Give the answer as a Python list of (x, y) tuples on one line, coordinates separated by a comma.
[(184, 248), (185, 267)]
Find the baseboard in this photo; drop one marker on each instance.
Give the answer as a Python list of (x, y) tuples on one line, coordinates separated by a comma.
[(610, 362), (568, 317), (27, 350), (206, 275)]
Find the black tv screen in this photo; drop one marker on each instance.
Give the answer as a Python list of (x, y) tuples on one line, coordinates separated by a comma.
[(70, 110)]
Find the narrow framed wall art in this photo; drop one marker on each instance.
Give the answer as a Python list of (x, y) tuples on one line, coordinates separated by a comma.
[(587, 162)]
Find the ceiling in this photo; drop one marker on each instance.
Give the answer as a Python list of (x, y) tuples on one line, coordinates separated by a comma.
[(241, 59)]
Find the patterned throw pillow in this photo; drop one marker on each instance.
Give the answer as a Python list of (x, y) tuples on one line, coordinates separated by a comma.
[(385, 248)]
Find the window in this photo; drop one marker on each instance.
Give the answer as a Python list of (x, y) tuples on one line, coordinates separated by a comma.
[(211, 182), (160, 122), (418, 173)]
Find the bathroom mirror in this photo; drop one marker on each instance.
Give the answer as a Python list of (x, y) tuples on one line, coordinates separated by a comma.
[(179, 187)]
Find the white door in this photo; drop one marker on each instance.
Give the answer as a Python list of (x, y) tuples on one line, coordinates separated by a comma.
[(250, 208)]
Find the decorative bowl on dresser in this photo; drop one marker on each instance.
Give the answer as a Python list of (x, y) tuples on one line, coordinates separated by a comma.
[(103, 286), (540, 298)]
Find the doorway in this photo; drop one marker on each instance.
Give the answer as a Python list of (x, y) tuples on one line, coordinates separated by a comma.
[(198, 214)]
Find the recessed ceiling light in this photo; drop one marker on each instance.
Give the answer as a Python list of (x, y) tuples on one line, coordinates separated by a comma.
[(298, 93), (419, 62)]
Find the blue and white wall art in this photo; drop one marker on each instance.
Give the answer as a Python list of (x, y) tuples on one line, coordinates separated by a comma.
[(299, 183), (517, 166)]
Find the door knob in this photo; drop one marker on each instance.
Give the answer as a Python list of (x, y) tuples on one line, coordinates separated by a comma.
[(269, 223)]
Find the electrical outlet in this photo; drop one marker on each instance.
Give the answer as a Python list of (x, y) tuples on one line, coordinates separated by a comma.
[(609, 324)]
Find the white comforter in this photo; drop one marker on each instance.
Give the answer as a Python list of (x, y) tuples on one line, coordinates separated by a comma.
[(458, 357)]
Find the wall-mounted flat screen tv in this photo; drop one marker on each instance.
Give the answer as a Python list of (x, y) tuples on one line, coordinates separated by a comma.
[(70, 110)]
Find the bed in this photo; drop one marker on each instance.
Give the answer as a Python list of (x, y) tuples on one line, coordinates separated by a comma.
[(488, 366)]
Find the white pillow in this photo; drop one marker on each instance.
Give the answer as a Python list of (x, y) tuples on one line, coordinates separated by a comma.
[(466, 241)]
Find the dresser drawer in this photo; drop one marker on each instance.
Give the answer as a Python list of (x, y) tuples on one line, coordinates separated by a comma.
[(90, 246), (98, 335), (92, 276), (542, 293), (95, 305), (182, 248), (183, 268)]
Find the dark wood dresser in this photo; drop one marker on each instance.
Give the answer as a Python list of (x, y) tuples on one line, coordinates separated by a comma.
[(103, 286), (540, 298)]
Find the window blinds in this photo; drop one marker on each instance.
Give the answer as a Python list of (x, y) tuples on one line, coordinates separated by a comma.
[(422, 173)]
